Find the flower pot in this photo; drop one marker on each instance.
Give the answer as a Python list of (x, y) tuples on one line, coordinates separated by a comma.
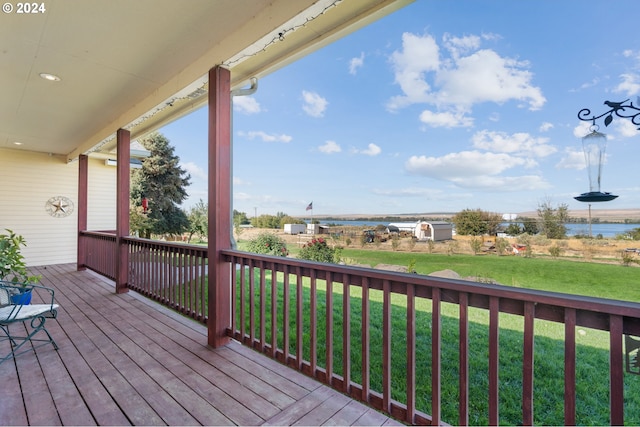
[(23, 298)]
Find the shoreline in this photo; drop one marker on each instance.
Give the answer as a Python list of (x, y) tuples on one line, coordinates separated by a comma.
[(601, 215)]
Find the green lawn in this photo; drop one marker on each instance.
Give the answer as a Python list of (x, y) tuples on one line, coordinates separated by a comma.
[(610, 281), (613, 281), (592, 356)]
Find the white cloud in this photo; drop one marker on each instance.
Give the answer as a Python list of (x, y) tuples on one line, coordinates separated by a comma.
[(626, 128), (409, 192), (460, 45), (519, 143), (195, 171), (419, 55), (572, 159), (265, 136), (582, 129), (330, 147), (371, 150), (468, 76), (356, 63), (240, 181), (484, 76), (246, 104), (314, 105), (474, 169), (546, 126), (630, 85), (445, 119)]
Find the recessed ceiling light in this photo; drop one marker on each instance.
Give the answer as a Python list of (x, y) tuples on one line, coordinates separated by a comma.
[(50, 77), (17, 143)]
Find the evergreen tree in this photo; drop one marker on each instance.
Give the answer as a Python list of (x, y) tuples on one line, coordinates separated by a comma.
[(163, 182)]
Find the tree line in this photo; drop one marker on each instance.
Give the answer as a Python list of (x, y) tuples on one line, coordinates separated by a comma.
[(550, 222)]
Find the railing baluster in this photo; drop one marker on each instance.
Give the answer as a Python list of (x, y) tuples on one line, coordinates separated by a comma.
[(286, 304), (366, 340), (411, 353), (570, 367), (346, 333), (252, 305), (274, 312), (527, 364), (234, 294), (436, 370), (243, 299), (386, 346), (494, 360), (299, 320), (263, 319), (329, 330), (616, 370), (463, 348), (201, 280), (313, 357)]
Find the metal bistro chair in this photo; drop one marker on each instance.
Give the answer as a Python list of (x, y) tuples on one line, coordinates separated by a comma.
[(15, 307)]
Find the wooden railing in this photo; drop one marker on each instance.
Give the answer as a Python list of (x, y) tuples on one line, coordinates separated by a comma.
[(275, 296), (174, 274), (308, 315), (99, 252)]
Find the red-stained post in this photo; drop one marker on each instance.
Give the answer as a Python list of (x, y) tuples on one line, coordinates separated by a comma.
[(122, 209), (83, 179), (219, 205)]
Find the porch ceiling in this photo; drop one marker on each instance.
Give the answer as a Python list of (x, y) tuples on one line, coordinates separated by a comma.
[(141, 64)]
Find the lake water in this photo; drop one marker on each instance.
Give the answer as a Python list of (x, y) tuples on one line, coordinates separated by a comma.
[(607, 230)]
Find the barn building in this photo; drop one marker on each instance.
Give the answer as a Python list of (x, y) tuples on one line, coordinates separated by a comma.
[(426, 230)]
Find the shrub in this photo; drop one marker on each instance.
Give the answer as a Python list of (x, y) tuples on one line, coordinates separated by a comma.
[(628, 258), (395, 242), (501, 246), (411, 267), (268, 244), (318, 250), (13, 267), (476, 245), (430, 245), (555, 251)]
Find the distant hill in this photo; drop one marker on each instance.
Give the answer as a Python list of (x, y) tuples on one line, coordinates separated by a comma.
[(603, 215)]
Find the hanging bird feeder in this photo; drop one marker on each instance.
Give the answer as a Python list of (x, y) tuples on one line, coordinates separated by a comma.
[(594, 147)]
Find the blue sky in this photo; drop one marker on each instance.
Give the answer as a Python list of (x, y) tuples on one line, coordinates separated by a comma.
[(439, 107)]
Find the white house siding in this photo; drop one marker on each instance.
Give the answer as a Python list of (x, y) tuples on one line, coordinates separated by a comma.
[(28, 180), (101, 213)]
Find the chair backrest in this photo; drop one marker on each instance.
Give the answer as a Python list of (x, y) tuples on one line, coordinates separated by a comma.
[(5, 298)]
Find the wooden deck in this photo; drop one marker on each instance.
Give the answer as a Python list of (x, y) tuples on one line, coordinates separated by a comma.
[(124, 360)]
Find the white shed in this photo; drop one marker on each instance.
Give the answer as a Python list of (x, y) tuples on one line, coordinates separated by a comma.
[(403, 226), (433, 230), (295, 228)]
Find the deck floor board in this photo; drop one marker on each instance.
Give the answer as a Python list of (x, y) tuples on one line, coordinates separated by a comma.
[(125, 360)]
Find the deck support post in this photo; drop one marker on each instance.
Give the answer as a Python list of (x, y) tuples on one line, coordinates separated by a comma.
[(219, 205), (83, 189), (122, 209)]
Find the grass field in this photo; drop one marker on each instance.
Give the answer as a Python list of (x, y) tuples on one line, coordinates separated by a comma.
[(613, 281)]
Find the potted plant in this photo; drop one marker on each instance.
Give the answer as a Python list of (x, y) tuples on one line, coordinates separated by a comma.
[(13, 268)]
